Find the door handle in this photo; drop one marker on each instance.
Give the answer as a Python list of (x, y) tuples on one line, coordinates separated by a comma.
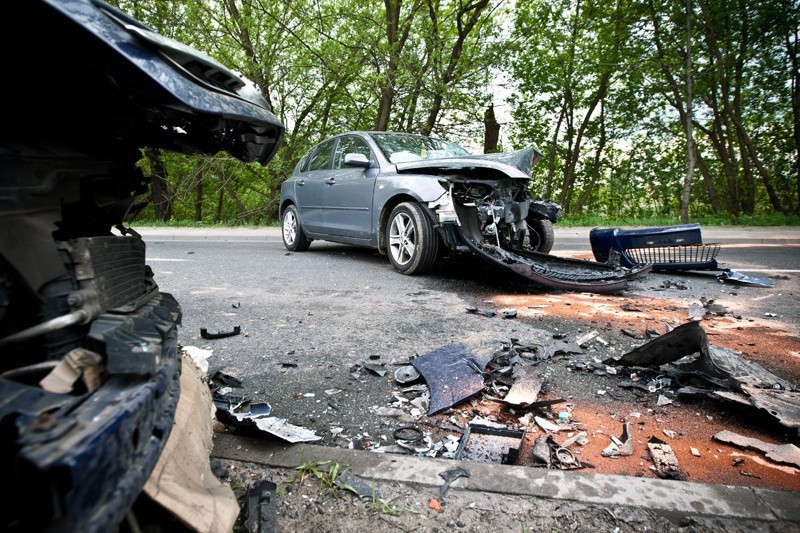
[(301, 183), (330, 181)]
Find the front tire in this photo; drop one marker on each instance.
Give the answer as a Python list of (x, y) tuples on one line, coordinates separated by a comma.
[(293, 237), (540, 235), (413, 243)]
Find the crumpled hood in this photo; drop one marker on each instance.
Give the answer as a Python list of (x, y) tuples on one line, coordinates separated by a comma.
[(515, 164)]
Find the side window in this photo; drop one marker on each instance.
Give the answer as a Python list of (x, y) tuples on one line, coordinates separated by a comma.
[(301, 166), (350, 145), (321, 159)]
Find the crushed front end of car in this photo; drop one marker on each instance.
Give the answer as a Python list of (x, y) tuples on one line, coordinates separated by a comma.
[(89, 365), (487, 209)]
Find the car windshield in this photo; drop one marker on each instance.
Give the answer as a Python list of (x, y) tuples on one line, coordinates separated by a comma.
[(402, 147)]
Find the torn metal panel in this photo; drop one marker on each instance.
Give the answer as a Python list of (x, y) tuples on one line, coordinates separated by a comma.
[(729, 276), (664, 460), (452, 375), (491, 444), (716, 364), (782, 404), (780, 453), (686, 339), (526, 387)]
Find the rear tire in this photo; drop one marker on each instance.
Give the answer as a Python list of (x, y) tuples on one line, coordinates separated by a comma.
[(541, 237), (413, 244), (293, 237)]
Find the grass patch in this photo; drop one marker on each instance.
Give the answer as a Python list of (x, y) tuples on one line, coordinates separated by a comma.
[(328, 474), (772, 219)]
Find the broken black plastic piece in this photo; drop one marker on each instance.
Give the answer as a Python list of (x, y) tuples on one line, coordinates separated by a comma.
[(261, 513), (220, 335)]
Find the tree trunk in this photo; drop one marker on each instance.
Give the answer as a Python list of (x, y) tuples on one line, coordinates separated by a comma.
[(472, 12), (198, 199), (690, 150), (491, 134), (160, 193), (387, 90)]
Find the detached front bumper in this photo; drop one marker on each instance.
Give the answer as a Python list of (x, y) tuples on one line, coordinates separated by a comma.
[(666, 248), (77, 462)]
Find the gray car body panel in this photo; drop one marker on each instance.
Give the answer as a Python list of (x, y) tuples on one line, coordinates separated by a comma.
[(346, 205)]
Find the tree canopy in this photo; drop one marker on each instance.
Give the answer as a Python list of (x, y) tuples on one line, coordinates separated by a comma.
[(603, 89)]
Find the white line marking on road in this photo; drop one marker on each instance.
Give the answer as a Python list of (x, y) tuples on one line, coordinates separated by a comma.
[(764, 270), (169, 260)]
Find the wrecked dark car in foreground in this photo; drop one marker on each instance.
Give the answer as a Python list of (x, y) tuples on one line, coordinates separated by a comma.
[(89, 371), (413, 197)]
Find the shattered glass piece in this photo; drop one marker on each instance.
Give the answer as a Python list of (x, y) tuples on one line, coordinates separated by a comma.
[(780, 453), (450, 374), (782, 404), (729, 276)]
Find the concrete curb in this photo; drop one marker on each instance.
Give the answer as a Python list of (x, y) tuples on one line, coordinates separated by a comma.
[(778, 235), (665, 497)]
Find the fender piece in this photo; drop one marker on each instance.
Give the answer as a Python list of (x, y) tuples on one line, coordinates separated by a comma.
[(452, 375)]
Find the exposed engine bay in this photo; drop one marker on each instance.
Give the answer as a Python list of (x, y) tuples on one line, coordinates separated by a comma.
[(499, 221)]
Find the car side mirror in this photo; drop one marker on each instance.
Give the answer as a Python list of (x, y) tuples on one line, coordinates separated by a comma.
[(356, 160)]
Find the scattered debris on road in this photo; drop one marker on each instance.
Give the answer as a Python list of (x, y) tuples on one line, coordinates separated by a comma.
[(221, 334)]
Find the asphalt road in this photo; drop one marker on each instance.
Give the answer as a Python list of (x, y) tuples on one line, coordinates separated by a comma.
[(310, 320)]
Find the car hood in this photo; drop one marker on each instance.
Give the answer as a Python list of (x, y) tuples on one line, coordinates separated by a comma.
[(515, 164), (170, 95)]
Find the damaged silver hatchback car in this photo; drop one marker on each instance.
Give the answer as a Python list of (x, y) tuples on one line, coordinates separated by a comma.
[(408, 195), (412, 197)]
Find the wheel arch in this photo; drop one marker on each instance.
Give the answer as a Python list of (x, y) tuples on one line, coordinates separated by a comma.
[(282, 208), (386, 210)]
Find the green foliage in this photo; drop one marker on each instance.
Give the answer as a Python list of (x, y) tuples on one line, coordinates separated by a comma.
[(600, 87)]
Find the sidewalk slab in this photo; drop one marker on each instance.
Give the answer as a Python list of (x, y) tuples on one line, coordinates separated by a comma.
[(778, 235), (666, 497)]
